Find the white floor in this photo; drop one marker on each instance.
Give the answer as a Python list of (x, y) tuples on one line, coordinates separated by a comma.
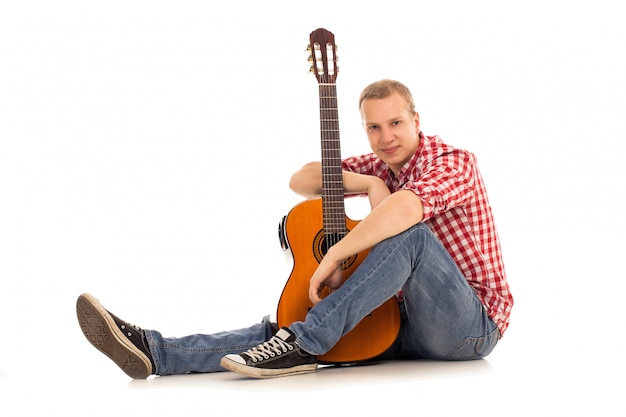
[(48, 367), (144, 155)]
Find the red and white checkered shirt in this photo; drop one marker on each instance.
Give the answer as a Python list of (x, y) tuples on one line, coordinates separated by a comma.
[(457, 210)]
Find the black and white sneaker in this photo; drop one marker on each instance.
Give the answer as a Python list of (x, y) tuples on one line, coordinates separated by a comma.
[(279, 356), (121, 341)]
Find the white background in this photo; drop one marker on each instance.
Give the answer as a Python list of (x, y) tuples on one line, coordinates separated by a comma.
[(145, 154)]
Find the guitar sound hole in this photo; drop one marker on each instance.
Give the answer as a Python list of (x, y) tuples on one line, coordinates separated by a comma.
[(323, 242), (328, 241)]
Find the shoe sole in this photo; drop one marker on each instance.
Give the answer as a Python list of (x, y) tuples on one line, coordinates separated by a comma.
[(100, 330), (264, 372)]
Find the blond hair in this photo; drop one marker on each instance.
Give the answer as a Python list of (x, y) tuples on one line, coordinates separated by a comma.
[(385, 88)]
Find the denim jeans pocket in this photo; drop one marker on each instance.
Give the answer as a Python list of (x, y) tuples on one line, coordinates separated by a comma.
[(474, 347)]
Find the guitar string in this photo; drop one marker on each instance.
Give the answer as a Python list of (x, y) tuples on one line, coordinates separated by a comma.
[(333, 209)]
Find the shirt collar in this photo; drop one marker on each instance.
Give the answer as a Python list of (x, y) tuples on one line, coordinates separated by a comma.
[(408, 170)]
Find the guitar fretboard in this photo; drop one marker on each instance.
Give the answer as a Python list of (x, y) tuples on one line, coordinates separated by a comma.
[(332, 178)]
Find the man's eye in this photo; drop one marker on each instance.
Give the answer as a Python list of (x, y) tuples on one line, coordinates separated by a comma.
[(372, 127)]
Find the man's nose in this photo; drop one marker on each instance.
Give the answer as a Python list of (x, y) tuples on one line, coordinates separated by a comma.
[(385, 134)]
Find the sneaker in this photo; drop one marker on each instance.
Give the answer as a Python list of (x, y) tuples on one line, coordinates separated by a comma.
[(124, 343), (279, 356)]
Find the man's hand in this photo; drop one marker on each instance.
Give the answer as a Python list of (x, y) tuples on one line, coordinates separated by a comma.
[(328, 274)]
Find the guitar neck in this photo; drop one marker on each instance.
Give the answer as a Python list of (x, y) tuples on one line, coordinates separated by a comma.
[(333, 206)]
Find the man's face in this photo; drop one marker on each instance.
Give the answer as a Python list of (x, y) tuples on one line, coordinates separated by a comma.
[(392, 130)]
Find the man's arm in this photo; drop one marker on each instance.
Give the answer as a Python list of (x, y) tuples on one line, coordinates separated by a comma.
[(391, 214), (307, 182)]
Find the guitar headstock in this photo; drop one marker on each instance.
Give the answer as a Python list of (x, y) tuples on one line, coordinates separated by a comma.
[(323, 56)]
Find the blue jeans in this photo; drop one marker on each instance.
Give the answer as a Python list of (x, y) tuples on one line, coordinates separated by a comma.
[(201, 353), (441, 315)]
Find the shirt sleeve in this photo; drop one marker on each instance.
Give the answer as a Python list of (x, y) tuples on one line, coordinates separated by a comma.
[(368, 164), (363, 164), (447, 182)]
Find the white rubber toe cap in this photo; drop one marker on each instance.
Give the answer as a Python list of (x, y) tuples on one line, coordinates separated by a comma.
[(235, 358)]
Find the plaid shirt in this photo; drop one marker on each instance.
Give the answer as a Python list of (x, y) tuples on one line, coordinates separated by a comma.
[(457, 210)]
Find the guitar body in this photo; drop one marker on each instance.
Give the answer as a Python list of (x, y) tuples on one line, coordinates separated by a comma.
[(303, 231)]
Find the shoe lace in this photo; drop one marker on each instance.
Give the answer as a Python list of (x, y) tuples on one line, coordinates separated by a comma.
[(125, 326), (274, 346)]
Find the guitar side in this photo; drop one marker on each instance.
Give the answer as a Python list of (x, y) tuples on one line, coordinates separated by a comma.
[(304, 233)]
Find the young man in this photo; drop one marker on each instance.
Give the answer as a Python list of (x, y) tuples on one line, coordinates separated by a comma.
[(433, 244)]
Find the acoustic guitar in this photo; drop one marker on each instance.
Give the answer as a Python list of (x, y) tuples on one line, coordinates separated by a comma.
[(313, 226)]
